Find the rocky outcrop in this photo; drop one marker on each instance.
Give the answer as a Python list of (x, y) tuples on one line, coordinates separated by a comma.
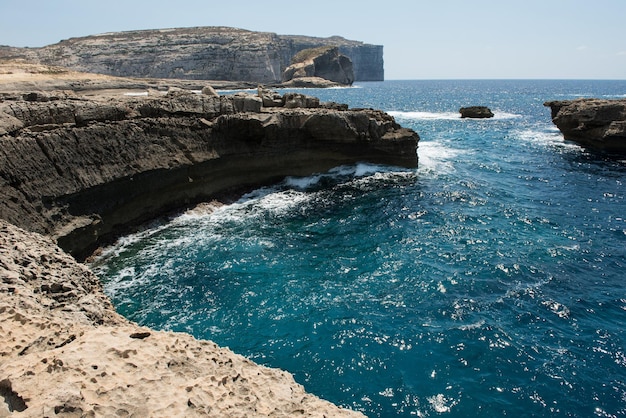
[(203, 53), (83, 170), (595, 123), (323, 62), (476, 112), (64, 351)]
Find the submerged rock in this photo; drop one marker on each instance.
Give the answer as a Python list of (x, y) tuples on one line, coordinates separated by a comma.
[(596, 123), (476, 112)]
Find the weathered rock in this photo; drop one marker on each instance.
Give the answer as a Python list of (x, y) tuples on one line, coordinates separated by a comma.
[(310, 83), (322, 62), (294, 100), (270, 98), (209, 91), (84, 170), (202, 53), (476, 112), (64, 351), (244, 102), (595, 123)]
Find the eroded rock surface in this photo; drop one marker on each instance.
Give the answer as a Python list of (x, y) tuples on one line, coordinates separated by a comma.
[(476, 112), (65, 352), (595, 123)]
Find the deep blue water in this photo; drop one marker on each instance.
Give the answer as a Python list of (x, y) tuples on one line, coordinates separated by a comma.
[(490, 281)]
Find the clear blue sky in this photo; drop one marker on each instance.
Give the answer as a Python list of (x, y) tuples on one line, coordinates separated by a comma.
[(431, 39)]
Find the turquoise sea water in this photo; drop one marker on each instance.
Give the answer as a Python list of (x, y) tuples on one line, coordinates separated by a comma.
[(490, 281)]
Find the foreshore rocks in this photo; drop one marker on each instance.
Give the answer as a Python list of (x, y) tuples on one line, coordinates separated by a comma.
[(84, 170), (595, 123), (65, 352)]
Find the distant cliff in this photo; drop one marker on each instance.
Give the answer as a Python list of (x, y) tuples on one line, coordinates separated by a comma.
[(201, 53)]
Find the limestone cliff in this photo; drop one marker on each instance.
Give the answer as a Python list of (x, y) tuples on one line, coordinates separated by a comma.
[(82, 170), (204, 53)]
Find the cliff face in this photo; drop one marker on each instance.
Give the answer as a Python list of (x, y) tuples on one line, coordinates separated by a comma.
[(204, 53), (83, 170)]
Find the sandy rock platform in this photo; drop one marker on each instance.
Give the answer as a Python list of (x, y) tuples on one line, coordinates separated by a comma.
[(65, 352)]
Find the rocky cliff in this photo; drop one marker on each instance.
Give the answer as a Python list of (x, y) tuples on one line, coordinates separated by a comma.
[(204, 53), (595, 123), (81, 170)]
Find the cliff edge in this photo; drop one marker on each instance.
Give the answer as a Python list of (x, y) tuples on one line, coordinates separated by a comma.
[(65, 352)]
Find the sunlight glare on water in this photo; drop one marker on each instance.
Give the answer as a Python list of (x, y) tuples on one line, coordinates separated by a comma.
[(488, 281)]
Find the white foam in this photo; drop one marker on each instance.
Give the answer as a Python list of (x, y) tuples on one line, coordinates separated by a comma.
[(418, 115), (436, 157), (498, 115), (132, 93), (440, 403), (550, 137)]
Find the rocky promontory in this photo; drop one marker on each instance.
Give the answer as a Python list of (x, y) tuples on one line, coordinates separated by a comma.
[(84, 169), (596, 123), (77, 170), (202, 53)]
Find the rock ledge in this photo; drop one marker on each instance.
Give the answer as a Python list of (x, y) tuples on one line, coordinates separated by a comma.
[(596, 123)]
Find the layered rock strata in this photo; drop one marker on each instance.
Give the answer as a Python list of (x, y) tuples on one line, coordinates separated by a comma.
[(65, 352), (204, 53), (595, 123), (83, 170)]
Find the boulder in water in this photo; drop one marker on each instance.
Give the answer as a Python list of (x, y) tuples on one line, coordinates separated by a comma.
[(476, 112)]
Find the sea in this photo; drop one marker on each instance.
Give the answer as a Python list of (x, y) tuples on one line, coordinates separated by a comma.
[(489, 281)]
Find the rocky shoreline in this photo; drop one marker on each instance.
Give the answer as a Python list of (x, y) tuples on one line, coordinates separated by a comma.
[(76, 170), (65, 352)]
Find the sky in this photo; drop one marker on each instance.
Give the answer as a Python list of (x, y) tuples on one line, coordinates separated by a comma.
[(422, 39)]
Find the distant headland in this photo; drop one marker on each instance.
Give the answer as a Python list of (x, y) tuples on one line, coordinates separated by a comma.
[(200, 53)]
